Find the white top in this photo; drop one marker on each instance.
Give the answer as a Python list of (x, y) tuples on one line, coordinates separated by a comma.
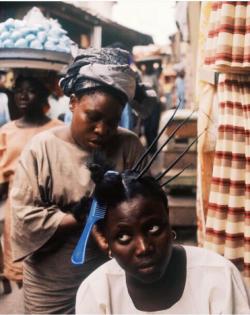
[(58, 106), (213, 286), (4, 109)]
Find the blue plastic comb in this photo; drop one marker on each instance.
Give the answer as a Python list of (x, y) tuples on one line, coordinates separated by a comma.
[(97, 212)]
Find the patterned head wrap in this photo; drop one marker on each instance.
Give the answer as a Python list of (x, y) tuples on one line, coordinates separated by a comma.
[(100, 67)]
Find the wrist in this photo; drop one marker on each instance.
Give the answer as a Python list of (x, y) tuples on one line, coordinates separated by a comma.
[(81, 208)]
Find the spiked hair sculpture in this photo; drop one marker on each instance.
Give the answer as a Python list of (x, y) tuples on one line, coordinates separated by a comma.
[(112, 187)]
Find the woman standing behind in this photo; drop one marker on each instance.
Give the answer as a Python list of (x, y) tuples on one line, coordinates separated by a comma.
[(50, 194), (30, 97)]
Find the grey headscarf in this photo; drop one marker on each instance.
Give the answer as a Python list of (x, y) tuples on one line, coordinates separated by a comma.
[(100, 67)]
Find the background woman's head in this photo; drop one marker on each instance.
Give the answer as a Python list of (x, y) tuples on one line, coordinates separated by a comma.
[(98, 81), (30, 95), (136, 226)]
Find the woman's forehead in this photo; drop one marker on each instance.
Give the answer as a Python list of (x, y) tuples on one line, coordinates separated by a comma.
[(24, 82), (138, 207)]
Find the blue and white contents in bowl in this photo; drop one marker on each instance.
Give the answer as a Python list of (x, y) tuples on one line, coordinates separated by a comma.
[(46, 36)]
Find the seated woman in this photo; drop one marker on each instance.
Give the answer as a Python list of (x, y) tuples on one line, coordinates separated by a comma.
[(149, 273)]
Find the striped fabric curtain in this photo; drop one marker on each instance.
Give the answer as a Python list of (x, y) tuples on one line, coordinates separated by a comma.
[(228, 43), (228, 216)]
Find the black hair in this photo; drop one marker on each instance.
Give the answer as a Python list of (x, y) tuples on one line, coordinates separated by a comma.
[(121, 97), (39, 86), (112, 188)]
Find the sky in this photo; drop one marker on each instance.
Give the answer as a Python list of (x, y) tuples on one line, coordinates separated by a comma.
[(152, 17)]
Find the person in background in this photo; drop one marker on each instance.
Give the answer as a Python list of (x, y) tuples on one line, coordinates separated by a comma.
[(4, 109), (180, 88), (50, 195), (167, 81), (8, 109), (148, 272), (150, 76), (30, 95), (58, 102)]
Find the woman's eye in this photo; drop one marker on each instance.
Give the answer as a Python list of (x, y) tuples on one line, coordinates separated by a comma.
[(154, 229), (113, 123), (93, 117), (124, 238)]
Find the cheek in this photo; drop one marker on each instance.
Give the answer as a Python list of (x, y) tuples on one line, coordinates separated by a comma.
[(33, 97), (165, 240), (16, 98), (123, 261), (79, 122), (122, 254)]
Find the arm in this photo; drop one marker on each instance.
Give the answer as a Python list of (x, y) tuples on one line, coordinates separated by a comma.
[(36, 222), (4, 184)]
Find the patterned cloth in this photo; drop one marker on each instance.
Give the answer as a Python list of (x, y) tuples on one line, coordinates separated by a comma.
[(228, 44), (228, 218), (100, 67)]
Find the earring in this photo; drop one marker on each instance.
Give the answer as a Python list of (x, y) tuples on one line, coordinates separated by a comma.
[(110, 254), (174, 235)]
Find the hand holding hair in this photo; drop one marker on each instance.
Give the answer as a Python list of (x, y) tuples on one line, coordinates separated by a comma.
[(80, 209)]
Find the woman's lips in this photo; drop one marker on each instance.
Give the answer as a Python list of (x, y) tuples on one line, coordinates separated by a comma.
[(97, 142), (23, 103), (146, 267)]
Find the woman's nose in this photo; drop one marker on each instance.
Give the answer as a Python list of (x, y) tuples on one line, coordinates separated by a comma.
[(23, 94), (101, 128), (143, 246)]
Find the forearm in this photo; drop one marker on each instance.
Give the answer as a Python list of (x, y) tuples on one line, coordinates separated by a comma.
[(68, 225)]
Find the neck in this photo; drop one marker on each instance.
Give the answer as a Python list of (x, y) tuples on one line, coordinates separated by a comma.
[(34, 119)]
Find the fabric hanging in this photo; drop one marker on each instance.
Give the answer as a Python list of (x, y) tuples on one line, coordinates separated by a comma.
[(228, 218), (228, 43), (228, 52)]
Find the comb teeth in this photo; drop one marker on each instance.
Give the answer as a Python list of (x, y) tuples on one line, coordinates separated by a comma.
[(100, 211)]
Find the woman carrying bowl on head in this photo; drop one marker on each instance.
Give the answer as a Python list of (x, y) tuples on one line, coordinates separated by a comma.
[(30, 96)]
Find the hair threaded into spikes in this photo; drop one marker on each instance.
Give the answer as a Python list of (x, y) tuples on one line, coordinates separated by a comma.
[(145, 169), (179, 157), (176, 175), (145, 154)]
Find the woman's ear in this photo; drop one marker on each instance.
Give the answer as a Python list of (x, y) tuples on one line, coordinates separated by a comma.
[(100, 239), (73, 102)]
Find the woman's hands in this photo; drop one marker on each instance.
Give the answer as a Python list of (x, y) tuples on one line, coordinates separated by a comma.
[(80, 210)]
